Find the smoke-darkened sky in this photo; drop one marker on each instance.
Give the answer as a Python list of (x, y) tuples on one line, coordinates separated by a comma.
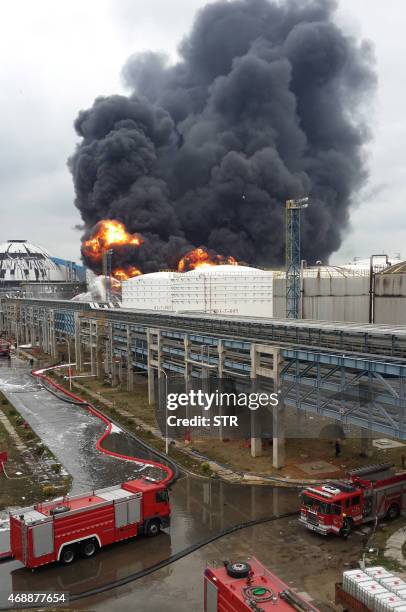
[(57, 62)]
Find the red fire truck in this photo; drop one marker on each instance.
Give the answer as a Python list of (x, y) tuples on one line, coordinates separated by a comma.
[(370, 493), (67, 527), (247, 586)]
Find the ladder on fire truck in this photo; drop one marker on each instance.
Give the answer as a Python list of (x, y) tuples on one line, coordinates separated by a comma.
[(372, 471)]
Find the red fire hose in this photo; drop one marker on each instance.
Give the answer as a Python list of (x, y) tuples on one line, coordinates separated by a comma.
[(40, 374)]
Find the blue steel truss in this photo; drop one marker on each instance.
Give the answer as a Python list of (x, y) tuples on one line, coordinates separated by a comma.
[(324, 381)]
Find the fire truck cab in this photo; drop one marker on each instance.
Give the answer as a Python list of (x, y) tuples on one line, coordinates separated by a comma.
[(369, 494), (62, 529)]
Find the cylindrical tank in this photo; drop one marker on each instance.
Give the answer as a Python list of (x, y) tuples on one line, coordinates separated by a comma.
[(150, 291)]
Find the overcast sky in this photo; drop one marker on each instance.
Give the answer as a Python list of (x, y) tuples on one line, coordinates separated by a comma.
[(59, 55)]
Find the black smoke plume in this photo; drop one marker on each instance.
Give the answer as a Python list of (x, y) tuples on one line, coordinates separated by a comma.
[(267, 102)]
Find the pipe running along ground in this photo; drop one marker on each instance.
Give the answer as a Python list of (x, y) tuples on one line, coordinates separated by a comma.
[(171, 472), (171, 476), (177, 556), (114, 584)]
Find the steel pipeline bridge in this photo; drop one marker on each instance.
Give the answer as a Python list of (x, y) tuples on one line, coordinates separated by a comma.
[(355, 374)]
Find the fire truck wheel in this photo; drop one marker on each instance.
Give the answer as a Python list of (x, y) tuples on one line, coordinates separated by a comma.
[(88, 548), (346, 528), (67, 555), (238, 570), (393, 512), (153, 528)]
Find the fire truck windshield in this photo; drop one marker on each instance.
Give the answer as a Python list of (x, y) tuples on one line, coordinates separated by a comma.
[(318, 506)]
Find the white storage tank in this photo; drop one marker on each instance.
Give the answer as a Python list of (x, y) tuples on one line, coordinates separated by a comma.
[(150, 291), (225, 289)]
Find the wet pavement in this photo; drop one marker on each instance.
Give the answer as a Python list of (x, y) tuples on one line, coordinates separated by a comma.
[(305, 561), (200, 508), (69, 431)]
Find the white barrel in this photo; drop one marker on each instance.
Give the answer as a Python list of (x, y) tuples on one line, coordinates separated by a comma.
[(351, 579), (388, 603), (392, 583), (368, 591), (377, 572)]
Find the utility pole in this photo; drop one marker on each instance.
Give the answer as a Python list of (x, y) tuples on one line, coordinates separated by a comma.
[(293, 256)]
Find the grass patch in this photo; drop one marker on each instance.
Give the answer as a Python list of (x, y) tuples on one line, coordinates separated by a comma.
[(24, 488)]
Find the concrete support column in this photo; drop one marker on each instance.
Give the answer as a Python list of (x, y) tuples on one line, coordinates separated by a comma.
[(279, 441), (187, 370), (33, 340), (78, 345), (53, 334), (92, 349), (279, 417), (154, 362), (188, 380), (205, 371), (26, 336), (28, 325), (256, 437), (221, 360), (261, 367), (112, 365), (130, 372), (151, 386), (100, 339), (45, 332), (39, 324), (25, 328), (120, 370)]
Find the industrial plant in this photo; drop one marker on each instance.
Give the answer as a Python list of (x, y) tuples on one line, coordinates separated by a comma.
[(207, 409), (353, 292)]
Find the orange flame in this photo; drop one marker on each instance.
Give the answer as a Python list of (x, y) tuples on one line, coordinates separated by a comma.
[(123, 274), (204, 258), (109, 234)]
